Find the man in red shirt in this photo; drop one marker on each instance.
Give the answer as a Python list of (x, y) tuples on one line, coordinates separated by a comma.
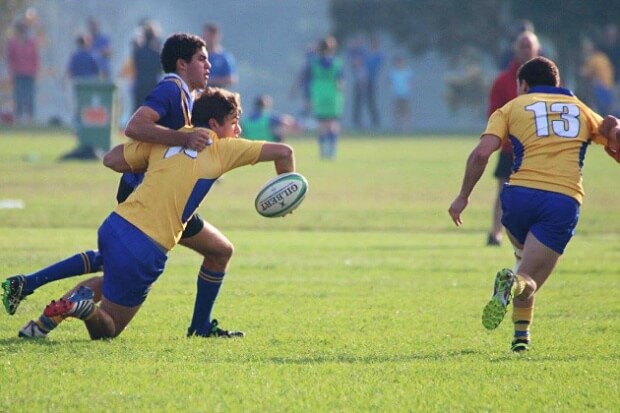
[(23, 63), (504, 89)]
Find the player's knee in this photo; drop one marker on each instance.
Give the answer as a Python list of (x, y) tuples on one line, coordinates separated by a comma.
[(226, 251)]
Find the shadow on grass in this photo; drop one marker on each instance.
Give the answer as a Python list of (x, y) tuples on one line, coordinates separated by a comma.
[(8, 344)]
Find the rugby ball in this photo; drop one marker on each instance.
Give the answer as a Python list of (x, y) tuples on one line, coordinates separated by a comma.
[(281, 195)]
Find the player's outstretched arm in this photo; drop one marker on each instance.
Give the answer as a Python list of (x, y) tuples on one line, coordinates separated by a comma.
[(282, 155)]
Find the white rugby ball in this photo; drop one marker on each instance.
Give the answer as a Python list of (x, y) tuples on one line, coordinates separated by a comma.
[(281, 195)]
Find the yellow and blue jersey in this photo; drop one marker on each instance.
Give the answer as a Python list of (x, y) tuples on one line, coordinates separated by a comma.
[(176, 181), (173, 102), (550, 130)]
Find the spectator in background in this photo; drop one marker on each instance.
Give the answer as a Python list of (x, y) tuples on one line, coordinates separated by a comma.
[(147, 67), (374, 62), (356, 54), (359, 75), (82, 66), (265, 124), (101, 48), (503, 90), (598, 71), (302, 85), (324, 74), (610, 45), (401, 87), (508, 54), (23, 64), (223, 64)]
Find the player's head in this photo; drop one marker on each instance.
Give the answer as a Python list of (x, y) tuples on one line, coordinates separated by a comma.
[(179, 46), (212, 35), (263, 102), (539, 71), (218, 109), (327, 45), (526, 47)]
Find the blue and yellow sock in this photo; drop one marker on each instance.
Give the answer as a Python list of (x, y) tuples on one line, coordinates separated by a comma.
[(208, 287), (47, 324), (83, 263), (522, 319)]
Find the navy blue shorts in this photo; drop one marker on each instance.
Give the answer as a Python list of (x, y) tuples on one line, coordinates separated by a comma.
[(550, 216), (131, 261)]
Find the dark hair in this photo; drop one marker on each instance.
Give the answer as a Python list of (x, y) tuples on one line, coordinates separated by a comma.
[(263, 101), (179, 46), (539, 71), (215, 103)]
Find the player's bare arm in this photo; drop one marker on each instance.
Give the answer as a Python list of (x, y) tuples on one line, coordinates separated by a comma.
[(115, 159), (476, 164), (143, 127), (610, 128), (282, 155)]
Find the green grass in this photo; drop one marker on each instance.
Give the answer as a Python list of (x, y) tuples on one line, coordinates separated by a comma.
[(367, 298)]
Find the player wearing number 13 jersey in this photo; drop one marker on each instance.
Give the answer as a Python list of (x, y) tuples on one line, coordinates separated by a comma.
[(550, 130)]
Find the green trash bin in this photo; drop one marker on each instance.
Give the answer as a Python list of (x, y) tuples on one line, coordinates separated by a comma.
[(96, 116)]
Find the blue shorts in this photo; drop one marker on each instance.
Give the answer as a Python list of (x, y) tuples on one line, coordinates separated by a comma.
[(550, 216), (131, 261)]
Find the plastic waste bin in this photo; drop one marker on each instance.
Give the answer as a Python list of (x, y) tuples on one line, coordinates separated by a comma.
[(96, 114)]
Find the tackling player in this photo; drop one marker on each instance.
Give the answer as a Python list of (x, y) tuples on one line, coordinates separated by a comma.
[(550, 130), (136, 237)]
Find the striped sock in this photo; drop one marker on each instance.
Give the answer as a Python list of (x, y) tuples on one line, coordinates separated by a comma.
[(47, 324), (208, 287), (82, 263), (522, 319)]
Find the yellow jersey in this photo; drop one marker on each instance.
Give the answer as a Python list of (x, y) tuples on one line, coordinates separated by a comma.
[(176, 181), (550, 130)]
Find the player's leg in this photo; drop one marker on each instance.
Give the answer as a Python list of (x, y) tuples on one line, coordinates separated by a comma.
[(50, 318), (516, 215), (110, 319), (217, 251), (17, 287), (333, 128), (536, 266), (501, 173), (323, 139)]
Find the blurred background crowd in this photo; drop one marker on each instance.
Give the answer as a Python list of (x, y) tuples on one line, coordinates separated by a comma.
[(410, 65)]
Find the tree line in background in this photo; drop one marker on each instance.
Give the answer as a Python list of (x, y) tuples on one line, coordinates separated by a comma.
[(450, 27)]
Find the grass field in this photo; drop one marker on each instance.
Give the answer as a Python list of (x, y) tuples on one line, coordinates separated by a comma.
[(367, 298)]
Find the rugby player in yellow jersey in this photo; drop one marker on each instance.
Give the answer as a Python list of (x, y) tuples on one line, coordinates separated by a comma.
[(550, 130), (134, 239)]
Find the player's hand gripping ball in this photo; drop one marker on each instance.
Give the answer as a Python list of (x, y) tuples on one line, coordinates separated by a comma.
[(281, 195)]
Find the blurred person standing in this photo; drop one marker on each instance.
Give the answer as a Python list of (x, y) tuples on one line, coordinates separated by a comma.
[(101, 47), (324, 74), (401, 87), (610, 45), (22, 55), (82, 65), (503, 90), (146, 64), (223, 64), (265, 124), (374, 63), (598, 71)]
